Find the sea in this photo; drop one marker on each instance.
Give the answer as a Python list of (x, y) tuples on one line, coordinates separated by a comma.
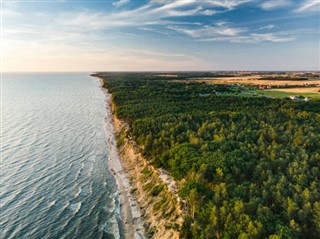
[(55, 182)]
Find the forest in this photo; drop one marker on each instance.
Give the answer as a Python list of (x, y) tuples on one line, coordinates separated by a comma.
[(248, 167)]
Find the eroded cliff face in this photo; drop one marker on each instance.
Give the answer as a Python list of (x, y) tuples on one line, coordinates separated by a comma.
[(160, 207)]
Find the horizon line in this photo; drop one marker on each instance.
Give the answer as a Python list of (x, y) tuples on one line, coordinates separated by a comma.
[(156, 71)]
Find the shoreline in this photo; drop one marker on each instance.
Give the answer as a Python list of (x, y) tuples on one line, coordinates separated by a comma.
[(144, 214), (130, 216)]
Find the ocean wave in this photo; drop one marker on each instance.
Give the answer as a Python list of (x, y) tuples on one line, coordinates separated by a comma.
[(77, 192), (75, 207), (112, 227), (55, 177), (52, 203)]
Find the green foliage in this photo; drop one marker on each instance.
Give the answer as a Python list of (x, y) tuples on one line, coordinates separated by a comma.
[(156, 190), (250, 166), (151, 232)]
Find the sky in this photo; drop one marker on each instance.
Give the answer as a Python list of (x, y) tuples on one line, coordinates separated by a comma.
[(160, 35)]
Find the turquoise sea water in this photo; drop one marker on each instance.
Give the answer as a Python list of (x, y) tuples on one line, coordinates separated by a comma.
[(55, 181)]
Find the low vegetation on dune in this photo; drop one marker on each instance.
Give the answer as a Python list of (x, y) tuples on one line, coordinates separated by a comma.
[(248, 167), (158, 205)]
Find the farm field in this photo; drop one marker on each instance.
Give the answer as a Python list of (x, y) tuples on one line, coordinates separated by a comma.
[(268, 85), (253, 80), (300, 90), (283, 93)]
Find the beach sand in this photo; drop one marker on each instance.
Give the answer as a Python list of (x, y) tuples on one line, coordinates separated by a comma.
[(140, 213), (132, 222)]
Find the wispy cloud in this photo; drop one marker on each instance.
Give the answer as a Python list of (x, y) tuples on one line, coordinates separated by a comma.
[(114, 37), (273, 4), (153, 13), (8, 10), (161, 10), (309, 5), (254, 38), (208, 31), (120, 3), (272, 37), (225, 32), (9, 13), (267, 27), (92, 26)]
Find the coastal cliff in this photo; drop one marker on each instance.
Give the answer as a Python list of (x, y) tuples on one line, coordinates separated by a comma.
[(150, 205), (159, 204)]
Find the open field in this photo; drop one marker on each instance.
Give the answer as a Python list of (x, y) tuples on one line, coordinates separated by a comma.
[(282, 94), (300, 90), (167, 75), (275, 88), (312, 92), (254, 80)]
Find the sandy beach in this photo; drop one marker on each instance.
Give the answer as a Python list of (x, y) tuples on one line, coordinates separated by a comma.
[(132, 222), (140, 216)]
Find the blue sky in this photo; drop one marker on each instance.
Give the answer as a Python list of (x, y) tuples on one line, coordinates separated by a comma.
[(134, 35)]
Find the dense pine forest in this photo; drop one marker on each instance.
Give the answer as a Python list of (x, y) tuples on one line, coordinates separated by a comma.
[(248, 167)]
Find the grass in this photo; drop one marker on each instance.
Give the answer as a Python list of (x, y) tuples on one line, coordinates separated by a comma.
[(249, 92), (156, 190), (251, 80), (146, 174), (281, 94), (237, 95), (161, 204), (151, 231)]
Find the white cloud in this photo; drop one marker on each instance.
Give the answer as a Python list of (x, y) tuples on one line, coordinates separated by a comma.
[(162, 9), (224, 32), (9, 13), (229, 4), (267, 27), (156, 12), (9, 10), (120, 3), (153, 13), (273, 4), (255, 38), (309, 5), (272, 37), (208, 31), (70, 40), (221, 23), (91, 26)]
